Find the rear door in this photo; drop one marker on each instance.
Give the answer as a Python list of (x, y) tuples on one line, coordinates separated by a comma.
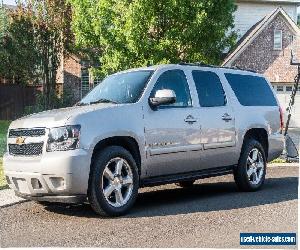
[(217, 120)]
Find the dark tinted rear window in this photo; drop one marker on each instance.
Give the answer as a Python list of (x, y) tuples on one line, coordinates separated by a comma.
[(251, 90), (209, 88)]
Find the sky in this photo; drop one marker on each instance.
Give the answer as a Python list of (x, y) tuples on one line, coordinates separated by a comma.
[(9, 2)]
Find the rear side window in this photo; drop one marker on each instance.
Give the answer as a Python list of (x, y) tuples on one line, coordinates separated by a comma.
[(251, 90), (209, 89)]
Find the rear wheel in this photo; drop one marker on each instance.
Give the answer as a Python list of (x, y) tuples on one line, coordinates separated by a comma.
[(113, 184), (251, 170)]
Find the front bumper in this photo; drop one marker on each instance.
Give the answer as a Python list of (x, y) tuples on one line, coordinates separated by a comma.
[(60, 174)]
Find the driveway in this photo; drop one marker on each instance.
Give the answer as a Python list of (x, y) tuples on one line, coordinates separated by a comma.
[(211, 214)]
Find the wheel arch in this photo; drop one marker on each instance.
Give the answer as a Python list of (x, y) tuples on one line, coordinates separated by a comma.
[(259, 134), (127, 142)]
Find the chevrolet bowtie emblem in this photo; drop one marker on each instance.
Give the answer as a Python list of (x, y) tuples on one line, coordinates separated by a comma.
[(20, 140)]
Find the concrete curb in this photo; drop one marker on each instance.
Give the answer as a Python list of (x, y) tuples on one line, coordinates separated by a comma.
[(272, 165), (12, 204), (8, 198)]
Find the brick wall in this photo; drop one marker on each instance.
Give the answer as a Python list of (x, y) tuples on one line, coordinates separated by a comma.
[(72, 78), (261, 57)]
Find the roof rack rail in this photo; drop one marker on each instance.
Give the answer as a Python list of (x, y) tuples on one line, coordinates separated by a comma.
[(196, 64), (215, 66), (239, 68)]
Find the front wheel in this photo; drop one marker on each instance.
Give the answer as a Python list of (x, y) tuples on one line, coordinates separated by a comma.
[(114, 181), (250, 173)]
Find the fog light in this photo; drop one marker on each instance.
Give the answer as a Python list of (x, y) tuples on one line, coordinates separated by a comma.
[(57, 182)]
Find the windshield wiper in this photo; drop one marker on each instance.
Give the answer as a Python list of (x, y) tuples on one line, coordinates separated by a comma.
[(103, 101)]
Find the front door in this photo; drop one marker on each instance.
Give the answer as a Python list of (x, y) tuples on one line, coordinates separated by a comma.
[(172, 132)]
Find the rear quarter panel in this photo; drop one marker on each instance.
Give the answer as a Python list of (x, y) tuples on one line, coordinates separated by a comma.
[(249, 117)]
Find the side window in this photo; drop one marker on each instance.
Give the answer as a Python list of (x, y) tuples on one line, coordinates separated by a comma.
[(252, 90), (176, 81), (277, 39), (209, 88)]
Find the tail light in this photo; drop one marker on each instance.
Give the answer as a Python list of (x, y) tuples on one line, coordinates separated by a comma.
[(281, 119)]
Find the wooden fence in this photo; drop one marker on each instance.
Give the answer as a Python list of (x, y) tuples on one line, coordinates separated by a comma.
[(14, 99)]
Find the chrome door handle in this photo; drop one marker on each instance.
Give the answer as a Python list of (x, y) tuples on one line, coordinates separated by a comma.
[(226, 117), (190, 119)]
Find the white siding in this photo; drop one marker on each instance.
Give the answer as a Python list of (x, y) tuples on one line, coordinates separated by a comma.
[(284, 99), (248, 14)]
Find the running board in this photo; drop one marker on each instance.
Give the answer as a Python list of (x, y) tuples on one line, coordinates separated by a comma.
[(201, 174)]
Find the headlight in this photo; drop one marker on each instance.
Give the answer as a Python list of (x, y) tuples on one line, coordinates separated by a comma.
[(63, 138)]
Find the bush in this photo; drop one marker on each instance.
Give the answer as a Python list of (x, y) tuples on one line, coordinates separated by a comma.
[(3, 133)]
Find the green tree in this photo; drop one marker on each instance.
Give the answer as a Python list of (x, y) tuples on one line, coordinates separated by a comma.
[(3, 22), (17, 51), (37, 36), (131, 33), (50, 20)]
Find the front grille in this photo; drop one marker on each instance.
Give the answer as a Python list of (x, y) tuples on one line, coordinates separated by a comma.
[(31, 149), (36, 132)]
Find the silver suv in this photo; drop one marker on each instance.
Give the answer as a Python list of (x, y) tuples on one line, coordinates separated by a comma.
[(143, 127)]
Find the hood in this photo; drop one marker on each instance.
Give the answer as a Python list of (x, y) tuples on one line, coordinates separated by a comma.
[(55, 117)]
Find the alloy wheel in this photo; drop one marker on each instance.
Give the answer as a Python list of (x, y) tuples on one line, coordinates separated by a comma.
[(255, 166), (117, 182)]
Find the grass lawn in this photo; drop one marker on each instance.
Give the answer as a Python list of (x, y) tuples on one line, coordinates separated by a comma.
[(3, 131), (3, 183)]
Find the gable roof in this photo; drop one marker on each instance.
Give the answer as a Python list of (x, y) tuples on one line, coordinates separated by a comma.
[(255, 30)]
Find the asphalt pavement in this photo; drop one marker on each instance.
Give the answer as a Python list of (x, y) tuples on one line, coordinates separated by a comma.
[(210, 214)]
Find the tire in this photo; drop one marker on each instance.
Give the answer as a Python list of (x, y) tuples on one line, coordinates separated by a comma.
[(185, 184), (249, 175), (114, 172)]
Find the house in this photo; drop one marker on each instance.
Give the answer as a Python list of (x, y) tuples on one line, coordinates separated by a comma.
[(74, 77), (249, 12), (265, 46)]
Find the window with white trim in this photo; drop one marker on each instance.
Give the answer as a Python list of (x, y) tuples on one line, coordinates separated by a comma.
[(277, 39), (279, 88)]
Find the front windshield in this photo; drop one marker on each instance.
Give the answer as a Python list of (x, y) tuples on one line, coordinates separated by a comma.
[(119, 88)]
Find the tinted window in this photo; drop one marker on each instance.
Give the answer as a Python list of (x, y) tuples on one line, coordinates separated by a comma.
[(251, 90), (120, 88), (176, 81), (209, 88)]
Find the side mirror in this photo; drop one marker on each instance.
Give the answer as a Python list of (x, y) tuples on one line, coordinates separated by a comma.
[(163, 97)]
